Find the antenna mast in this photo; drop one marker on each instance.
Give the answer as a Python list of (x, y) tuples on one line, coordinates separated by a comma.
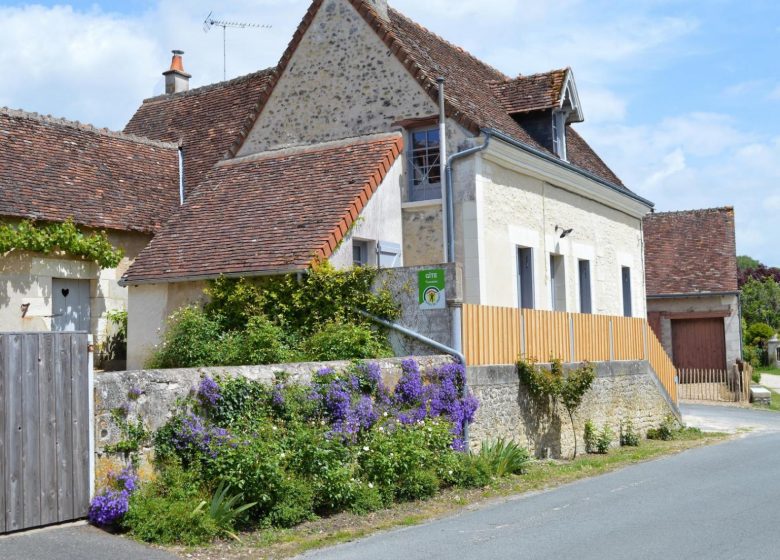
[(210, 22)]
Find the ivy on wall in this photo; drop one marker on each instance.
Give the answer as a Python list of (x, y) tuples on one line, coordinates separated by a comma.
[(66, 237)]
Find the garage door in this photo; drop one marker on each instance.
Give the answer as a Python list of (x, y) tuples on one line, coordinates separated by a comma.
[(699, 343)]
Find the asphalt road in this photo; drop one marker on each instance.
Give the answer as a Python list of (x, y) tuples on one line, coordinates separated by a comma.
[(713, 503)]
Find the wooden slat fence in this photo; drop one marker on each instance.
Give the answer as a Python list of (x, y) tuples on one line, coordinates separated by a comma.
[(718, 385), (44, 429), (501, 335)]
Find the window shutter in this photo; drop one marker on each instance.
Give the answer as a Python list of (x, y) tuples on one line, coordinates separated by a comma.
[(389, 254)]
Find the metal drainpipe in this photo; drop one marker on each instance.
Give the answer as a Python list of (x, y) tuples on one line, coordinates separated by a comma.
[(446, 220), (181, 175), (457, 354)]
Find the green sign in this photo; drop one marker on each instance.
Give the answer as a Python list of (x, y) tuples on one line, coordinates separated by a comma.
[(431, 285)]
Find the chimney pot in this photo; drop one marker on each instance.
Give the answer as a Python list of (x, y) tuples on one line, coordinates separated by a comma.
[(176, 79)]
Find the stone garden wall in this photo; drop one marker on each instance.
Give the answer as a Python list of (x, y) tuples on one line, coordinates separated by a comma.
[(621, 391)]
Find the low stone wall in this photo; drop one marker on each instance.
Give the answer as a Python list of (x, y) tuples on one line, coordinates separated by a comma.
[(621, 391)]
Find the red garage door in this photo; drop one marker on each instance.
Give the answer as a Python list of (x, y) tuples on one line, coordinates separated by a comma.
[(699, 343)]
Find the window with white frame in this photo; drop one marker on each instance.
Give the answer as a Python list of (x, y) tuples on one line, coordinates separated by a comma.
[(559, 133), (359, 252), (424, 165), (586, 303), (525, 277)]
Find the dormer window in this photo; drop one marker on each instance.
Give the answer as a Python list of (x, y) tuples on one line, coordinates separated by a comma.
[(424, 167), (559, 133)]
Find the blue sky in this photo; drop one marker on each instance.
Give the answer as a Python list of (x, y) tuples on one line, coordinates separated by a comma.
[(679, 97)]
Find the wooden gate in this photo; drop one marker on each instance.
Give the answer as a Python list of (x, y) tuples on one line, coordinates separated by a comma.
[(45, 428), (719, 385)]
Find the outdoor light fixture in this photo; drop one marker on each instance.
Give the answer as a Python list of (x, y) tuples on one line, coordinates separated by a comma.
[(564, 232)]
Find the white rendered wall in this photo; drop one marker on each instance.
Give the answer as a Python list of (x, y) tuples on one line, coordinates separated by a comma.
[(380, 220), (512, 209)]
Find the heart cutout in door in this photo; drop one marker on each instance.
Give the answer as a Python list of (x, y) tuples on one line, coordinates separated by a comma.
[(65, 292)]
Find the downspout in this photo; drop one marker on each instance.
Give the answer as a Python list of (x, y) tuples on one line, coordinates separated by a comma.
[(181, 174), (445, 195), (455, 353)]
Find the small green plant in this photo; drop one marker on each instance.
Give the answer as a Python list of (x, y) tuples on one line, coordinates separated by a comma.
[(666, 430), (755, 376), (115, 346), (597, 441), (504, 457), (628, 435), (134, 436), (224, 508), (568, 389), (63, 237)]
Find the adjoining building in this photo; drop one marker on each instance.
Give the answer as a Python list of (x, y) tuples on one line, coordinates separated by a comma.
[(692, 286)]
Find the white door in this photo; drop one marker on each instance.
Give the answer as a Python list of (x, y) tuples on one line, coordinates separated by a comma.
[(70, 305)]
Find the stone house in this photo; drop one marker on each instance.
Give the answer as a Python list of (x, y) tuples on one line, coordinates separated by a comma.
[(692, 288), (53, 170), (335, 154)]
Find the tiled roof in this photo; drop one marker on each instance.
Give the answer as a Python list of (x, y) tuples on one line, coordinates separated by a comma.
[(531, 93), (270, 212), (53, 169), (206, 120), (690, 252)]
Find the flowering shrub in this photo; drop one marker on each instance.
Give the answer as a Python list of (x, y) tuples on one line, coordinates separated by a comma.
[(342, 442), (109, 506)]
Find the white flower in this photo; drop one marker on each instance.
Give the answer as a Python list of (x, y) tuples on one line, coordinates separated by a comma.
[(365, 448), (381, 429), (385, 414), (273, 428), (370, 484)]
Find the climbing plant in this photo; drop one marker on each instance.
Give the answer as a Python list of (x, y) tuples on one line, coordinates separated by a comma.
[(65, 236), (568, 389)]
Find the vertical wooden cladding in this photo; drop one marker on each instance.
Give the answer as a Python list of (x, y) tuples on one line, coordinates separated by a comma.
[(501, 335), (44, 429)]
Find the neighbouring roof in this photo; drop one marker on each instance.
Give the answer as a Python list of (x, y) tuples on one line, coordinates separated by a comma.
[(53, 169), (536, 92), (269, 213), (690, 252), (205, 120)]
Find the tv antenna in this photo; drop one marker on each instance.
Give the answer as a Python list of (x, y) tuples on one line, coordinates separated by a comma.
[(210, 22)]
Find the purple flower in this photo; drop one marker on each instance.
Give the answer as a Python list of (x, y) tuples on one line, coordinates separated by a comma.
[(134, 393), (409, 390), (127, 480), (195, 435), (326, 371), (108, 507), (277, 396), (208, 392), (365, 413)]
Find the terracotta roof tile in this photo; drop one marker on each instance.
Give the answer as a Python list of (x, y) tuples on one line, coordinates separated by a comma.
[(531, 93), (53, 169), (206, 120), (269, 212), (690, 252)]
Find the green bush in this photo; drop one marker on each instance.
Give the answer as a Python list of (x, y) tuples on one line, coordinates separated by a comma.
[(189, 340), (166, 511), (469, 471), (628, 435), (666, 430), (504, 457), (755, 357), (295, 504), (234, 301), (417, 485), (338, 341), (597, 441)]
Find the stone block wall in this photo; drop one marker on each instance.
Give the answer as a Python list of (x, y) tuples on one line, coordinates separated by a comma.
[(622, 391)]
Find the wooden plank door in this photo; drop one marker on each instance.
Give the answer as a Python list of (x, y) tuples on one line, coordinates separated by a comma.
[(699, 343), (70, 305)]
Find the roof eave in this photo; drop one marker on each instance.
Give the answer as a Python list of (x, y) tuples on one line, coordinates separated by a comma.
[(208, 276)]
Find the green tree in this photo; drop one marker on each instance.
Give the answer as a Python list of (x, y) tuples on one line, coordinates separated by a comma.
[(745, 262), (761, 302)]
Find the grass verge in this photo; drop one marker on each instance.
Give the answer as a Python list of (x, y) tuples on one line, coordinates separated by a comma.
[(541, 475)]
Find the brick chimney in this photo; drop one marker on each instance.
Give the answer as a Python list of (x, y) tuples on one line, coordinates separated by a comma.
[(380, 7), (176, 79)]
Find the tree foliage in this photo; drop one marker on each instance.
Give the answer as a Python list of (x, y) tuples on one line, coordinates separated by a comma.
[(761, 302), (63, 237), (568, 389)]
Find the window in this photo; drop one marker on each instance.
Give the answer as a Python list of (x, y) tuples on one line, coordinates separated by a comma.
[(389, 254), (525, 277), (557, 283), (559, 134), (359, 253), (424, 168), (586, 305), (626, 274)]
